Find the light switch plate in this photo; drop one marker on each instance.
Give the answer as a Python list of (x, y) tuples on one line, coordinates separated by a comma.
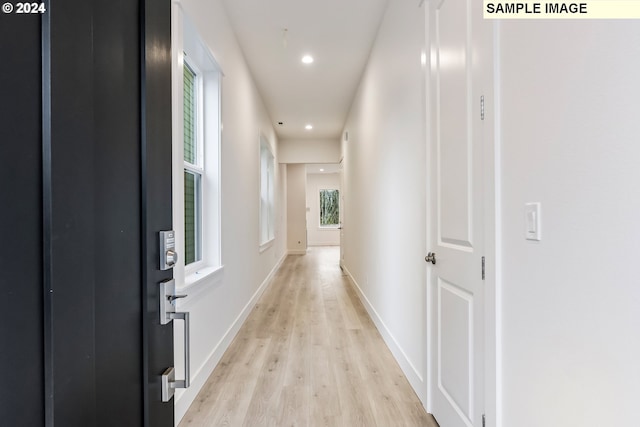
[(532, 221)]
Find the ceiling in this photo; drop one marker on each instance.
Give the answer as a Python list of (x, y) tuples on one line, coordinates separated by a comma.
[(323, 168), (337, 33)]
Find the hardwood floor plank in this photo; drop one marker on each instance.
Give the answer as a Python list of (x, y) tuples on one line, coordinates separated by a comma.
[(263, 408), (325, 402), (349, 313), (308, 355)]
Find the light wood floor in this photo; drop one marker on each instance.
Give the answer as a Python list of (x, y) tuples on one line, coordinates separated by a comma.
[(308, 355)]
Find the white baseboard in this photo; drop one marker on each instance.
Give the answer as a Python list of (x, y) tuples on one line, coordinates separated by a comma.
[(297, 252), (185, 398), (413, 375)]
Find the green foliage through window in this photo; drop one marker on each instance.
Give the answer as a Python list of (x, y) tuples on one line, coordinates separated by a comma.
[(189, 115), (192, 171), (329, 208), (191, 225)]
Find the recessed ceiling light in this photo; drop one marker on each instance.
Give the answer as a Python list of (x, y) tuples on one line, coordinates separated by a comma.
[(307, 59), (321, 170), (308, 127)]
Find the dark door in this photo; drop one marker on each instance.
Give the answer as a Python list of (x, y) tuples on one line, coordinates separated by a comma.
[(21, 331), (85, 163)]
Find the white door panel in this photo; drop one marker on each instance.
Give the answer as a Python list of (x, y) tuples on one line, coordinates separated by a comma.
[(455, 361), (453, 137)]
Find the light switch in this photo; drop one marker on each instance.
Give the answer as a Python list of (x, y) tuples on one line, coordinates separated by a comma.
[(532, 221)]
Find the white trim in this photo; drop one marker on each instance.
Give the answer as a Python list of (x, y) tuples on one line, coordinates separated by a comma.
[(493, 241), (413, 375), (297, 252), (190, 167), (184, 398), (266, 245), (190, 269), (199, 281), (430, 335)]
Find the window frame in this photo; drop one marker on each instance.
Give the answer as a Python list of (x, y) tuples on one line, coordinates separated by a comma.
[(332, 226), (189, 48), (197, 168), (266, 195)]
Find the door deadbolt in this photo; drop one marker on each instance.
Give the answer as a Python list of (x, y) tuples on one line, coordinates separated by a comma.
[(431, 257), (172, 258), (168, 254)]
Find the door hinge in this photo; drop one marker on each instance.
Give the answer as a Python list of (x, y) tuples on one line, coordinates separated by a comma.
[(483, 421), (482, 268), (482, 107)]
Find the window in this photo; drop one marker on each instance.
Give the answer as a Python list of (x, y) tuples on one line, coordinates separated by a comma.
[(193, 169), (329, 208), (196, 154), (267, 182)]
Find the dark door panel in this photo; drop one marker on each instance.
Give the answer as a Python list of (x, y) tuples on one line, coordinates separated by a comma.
[(117, 184), (21, 331), (70, 197)]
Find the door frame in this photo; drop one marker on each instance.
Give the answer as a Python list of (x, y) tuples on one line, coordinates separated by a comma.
[(341, 212), (491, 212)]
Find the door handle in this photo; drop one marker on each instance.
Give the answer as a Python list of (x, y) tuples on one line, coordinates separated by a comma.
[(183, 315), (431, 257), (168, 313), (172, 298), (169, 382)]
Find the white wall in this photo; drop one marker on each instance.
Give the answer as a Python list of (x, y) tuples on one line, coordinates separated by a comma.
[(296, 212), (218, 309), (320, 236), (385, 188), (309, 151), (570, 123)]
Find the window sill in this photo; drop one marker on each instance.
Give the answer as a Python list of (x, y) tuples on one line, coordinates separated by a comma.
[(337, 227), (200, 280), (266, 245)]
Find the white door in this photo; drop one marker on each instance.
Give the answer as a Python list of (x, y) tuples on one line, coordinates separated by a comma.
[(456, 229)]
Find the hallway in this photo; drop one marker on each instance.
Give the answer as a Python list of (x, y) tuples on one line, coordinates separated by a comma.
[(308, 355)]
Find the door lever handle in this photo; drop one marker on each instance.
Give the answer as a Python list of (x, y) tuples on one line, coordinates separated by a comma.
[(431, 257), (172, 298)]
